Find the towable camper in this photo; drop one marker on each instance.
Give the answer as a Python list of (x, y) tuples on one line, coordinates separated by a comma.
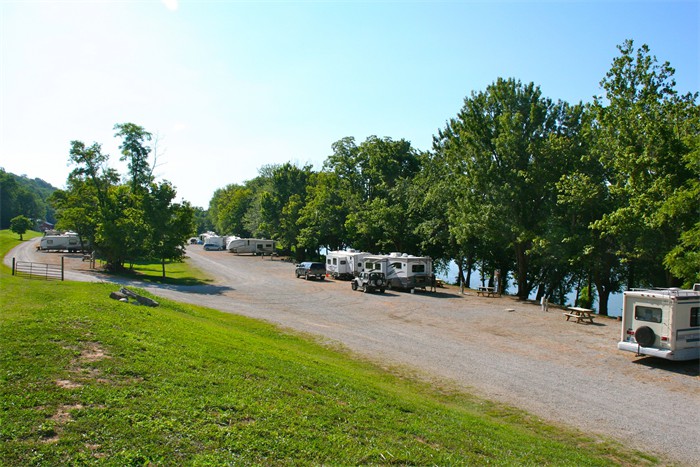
[(214, 242), (69, 241), (255, 246), (662, 323), (344, 264), (404, 271)]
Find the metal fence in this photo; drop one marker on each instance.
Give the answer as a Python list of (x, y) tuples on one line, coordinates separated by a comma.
[(37, 270)]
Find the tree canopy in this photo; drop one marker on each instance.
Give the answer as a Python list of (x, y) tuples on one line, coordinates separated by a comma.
[(123, 221)]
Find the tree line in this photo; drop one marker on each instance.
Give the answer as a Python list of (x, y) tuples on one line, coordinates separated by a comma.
[(591, 197), (22, 196)]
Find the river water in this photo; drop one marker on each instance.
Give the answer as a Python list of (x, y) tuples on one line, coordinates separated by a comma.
[(614, 303)]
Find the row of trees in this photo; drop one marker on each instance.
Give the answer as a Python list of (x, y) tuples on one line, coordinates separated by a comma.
[(124, 220), (22, 196), (599, 195)]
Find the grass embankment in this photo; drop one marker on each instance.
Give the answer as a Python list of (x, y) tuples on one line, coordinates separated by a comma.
[(86, 379)]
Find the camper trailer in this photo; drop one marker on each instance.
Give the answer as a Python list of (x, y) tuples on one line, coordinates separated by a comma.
[(403, 271), (214, 242), (662, 323), (69, 241), (344, 264), (255, 246)]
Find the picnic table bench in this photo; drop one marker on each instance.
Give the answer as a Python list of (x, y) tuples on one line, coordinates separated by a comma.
[(486, 291), (581, 314)]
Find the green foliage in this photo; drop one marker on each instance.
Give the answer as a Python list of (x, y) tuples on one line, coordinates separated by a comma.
[(20, 225), (123, 222), (642, 131), (20, 195), (507, 148)]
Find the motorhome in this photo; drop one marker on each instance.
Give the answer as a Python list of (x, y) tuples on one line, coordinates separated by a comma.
[(69, 241), (345, 264), (662, 323), (403, 271), (255, 246)]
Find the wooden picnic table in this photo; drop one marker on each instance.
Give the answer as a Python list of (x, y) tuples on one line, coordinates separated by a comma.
[(581, 314), (486, 291)]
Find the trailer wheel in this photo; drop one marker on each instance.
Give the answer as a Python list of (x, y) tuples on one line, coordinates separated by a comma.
[(354, 285), (644, 336)]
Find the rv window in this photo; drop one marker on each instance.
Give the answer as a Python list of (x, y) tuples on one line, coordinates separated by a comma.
[(695, 317), (260, 247), (647, 313), (396, 265), (342, 261), (328, 261), (418, 268), (335, 261)]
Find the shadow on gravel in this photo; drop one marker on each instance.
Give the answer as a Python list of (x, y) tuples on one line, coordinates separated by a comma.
[(195, 289), (690, 367)]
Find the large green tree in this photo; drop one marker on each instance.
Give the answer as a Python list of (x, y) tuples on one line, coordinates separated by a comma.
[(502, 149), (20, 225), (644, 137), (123, 222)]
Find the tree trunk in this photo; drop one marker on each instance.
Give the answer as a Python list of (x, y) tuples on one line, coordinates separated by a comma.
[(521, 257), (603, 296), (163, 263)]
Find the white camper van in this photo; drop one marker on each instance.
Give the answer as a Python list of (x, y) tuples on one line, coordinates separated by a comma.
[(70, 241), (405, 271), (255, 246), (662, 323), (344, 264)]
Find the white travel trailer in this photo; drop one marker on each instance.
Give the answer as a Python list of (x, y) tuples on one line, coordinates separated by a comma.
[(256, 246), (404, 271), (214, 242), (344, 264), (662, 323), (70, 241)]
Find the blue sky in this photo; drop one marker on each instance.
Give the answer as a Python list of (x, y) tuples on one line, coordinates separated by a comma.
[(229, 86)]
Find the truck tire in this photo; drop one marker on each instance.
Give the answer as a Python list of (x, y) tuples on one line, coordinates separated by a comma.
[(354, 285), (644, 336)]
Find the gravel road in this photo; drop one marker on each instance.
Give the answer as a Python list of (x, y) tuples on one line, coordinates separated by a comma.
[(498, 348)]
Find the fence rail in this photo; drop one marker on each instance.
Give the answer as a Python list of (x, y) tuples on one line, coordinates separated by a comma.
[(37, 270)]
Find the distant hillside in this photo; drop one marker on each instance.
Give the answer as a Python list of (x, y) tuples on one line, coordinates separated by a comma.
[(21, 195)]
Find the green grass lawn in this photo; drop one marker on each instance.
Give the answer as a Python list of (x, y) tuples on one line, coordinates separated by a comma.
[(89, 380)]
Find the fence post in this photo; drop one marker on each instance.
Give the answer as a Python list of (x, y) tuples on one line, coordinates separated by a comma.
[(13, 266), (61, 267)]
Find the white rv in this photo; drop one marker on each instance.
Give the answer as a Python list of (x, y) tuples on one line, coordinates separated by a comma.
[(344, 264), (214, 242), (256, 246), (70, 241), (404, 271), (662, 323)]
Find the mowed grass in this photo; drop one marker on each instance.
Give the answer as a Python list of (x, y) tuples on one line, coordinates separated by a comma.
[(89, 380), (176, 272)]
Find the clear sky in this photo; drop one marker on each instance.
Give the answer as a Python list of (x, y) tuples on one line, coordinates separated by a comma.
[(230, 86)]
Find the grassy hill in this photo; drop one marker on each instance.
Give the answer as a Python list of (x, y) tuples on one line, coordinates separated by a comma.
[(86, 379)]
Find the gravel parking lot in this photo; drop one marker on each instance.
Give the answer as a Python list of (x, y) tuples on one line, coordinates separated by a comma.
[(498, 348)]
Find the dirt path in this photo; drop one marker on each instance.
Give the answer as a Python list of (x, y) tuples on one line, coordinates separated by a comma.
[(498, 348)]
